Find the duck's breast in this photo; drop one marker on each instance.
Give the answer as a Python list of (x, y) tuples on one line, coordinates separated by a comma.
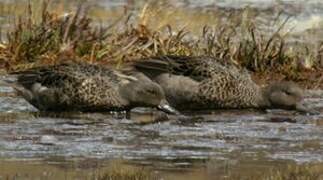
[(179, 90)]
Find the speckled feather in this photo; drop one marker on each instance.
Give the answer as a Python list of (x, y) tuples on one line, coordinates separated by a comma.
[(77, 86), (202, 82)]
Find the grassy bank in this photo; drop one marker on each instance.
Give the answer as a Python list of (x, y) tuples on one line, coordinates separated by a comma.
[(46, 35), (120, 170)]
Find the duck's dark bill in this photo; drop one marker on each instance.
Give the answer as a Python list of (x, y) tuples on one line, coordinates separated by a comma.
[(167, 109)]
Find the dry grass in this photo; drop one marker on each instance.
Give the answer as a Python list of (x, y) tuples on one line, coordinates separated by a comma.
[(296, 172), (119, 171), (159, 29), (124, 170), (53, 36), (288, 171), (128, 174)]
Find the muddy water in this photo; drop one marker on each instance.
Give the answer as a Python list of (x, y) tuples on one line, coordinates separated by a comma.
[(28, 137)]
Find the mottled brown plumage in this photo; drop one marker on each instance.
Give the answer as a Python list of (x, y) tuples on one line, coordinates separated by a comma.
[(205, 83), (87, 87)]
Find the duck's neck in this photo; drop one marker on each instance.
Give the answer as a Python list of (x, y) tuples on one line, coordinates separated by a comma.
[(264, 97)]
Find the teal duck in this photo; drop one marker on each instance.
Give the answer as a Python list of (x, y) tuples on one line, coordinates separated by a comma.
[(199, 83), (88, 87)]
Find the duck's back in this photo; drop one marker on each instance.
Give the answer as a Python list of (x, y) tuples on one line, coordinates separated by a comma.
[(202, 82), (227, 87), (74, 86)]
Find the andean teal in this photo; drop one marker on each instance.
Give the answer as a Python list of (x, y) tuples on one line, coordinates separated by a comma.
[(88, 87), (198, 83)]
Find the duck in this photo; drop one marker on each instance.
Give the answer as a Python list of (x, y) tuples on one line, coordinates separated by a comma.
[(85, 87), (203, 82)]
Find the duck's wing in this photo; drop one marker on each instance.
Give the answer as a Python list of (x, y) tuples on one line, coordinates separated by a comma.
[(52, 87), (46, 75), (197, 68), (35, 85)]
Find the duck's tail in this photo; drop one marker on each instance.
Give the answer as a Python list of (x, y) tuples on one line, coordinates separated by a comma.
[(151, 67), (12, 81), (177, 65)]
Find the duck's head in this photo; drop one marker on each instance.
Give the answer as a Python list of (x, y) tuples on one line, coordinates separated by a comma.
[(286, 95), (142, 92)]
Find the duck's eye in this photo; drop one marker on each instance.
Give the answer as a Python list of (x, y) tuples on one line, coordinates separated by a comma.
[(151, 91), (288, 93)]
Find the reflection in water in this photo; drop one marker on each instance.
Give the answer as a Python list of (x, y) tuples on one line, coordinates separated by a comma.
[(158, 141), (152, 137)]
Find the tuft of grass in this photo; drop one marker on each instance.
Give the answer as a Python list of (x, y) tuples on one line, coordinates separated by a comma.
[(235, 36), (118, 172), (288, 171), (295, 172), (68, 34)]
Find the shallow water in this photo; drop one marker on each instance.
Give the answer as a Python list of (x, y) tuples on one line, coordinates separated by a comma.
[(219, 141), (272, 136), (305, 14)]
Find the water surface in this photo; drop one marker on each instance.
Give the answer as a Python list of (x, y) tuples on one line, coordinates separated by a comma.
[(218, 136)]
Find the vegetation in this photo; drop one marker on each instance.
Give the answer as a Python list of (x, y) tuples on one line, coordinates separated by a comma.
[(296, 172), (120, 170), (48, 36), (128, 173), (286, 172), (235, 37)]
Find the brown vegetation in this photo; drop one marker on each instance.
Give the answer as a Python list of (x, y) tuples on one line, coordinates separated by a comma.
[(288, 172), (128, 173), (234, 36)]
